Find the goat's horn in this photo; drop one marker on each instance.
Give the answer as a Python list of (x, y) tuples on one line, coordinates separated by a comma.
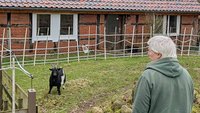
[(52, 65)]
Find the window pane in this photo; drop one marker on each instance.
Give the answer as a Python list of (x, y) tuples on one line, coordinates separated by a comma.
[(158, 24), (43, 24), (172, 24), (66, 25)]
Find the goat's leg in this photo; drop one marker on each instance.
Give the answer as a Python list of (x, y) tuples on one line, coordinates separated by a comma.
[(50, 87), (63, 80), (58, 89)]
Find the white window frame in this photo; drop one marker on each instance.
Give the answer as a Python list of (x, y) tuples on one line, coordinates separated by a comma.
[(177, 26), (166, 26), (54, 29), (75, 29)]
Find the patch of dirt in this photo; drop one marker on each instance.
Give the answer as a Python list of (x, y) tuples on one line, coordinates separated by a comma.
[(78, 83), (197, 69), (86, 105)]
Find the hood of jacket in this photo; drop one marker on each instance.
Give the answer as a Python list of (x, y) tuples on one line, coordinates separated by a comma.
[(167, 66)]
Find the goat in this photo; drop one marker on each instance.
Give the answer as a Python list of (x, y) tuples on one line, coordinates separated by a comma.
[(134, 49), (57, 78)]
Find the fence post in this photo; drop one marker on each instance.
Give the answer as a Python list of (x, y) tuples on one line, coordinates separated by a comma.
[(13, 84), (77, 46), (31, 101), (190, 41), (115, 41), (9, 43), (35, 55), (142, 40), (199, 49), (124, 49), (88, 42), (24, 49), (105, 43), (183, 41), (133, 36), (68, 43), (95, 51), (58, 50), (1, 88), (46, 47), (2, 44)]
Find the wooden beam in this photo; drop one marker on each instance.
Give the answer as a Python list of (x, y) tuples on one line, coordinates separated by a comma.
[(7, 94), (1, 89)]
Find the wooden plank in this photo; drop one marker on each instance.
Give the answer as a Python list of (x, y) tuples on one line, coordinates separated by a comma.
[(5, 108), (1, 89), (16, 111), (7, 94), (20, 103), (20, 93)]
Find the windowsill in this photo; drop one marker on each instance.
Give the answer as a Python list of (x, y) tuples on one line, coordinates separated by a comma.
[(42, 35), (68, 37), (62, 37), (42, 38), (171, 34)]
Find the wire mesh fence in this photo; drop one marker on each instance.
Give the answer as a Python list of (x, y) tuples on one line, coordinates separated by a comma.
[(87, 46)]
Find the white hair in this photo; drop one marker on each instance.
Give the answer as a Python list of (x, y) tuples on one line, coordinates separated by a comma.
[(163, 45)]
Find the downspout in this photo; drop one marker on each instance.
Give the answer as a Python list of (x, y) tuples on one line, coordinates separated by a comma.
[(30, 33), (98, 29)]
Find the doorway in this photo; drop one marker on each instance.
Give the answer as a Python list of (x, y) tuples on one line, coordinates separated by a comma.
[(114, 27)]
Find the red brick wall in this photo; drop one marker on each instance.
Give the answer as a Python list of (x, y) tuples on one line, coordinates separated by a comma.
[(130, 21), (19, 32), (188, 22), (3, 21), (20, 18), (3, 18), (19, 23), (87, 18), (2, 31), (187, 19), (87, 25), (142, 19), (143, 22)]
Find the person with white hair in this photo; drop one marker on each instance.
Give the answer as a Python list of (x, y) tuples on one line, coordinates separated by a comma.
[(164, 86)]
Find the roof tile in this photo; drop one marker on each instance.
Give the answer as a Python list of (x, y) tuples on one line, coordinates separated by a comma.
[(124, 5)]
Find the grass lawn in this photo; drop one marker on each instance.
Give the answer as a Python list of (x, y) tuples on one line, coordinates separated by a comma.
[(86, 80)]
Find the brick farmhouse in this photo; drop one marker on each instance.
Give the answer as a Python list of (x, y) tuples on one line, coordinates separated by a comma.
[(59, 20)]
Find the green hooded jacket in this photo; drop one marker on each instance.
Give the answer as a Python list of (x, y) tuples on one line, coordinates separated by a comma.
[(164, 87)]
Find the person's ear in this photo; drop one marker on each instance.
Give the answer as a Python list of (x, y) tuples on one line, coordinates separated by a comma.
[(159, 55)]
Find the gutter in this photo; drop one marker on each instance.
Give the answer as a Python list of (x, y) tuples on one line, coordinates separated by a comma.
[(106, 11)]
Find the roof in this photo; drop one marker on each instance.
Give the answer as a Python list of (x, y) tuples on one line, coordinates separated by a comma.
[(191, 6)]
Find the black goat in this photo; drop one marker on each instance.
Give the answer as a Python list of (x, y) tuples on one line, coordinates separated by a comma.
[(134, 49), (57, 78)]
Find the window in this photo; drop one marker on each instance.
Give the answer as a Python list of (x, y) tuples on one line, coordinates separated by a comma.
[(54, 27), (168, 24), (66, 24), (172, 20), (43, 24)]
